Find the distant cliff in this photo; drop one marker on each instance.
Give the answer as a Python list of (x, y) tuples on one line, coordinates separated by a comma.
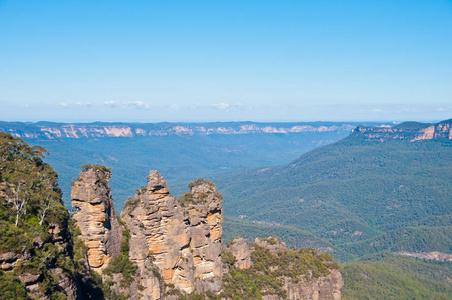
[(410, 131), (50, 131)]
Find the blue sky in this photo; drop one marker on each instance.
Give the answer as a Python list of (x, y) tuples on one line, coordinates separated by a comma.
[(150, 61)]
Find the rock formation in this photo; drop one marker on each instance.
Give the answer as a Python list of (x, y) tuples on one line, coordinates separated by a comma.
[(52, 131), (323, 288), (176, 243), (96, 217), (305, 287), (181, 238), (409, 131), (281, 273), (203, 204), (242, 254)]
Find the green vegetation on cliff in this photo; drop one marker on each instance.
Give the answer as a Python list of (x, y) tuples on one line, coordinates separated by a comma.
[(33, 223), (267, 272), (391, 276)]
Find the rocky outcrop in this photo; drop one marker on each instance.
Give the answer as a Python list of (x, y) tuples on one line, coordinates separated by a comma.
[(159, 236), (241, 251), (96, 217), (203, 204), (434, 255), (181, 238), (409, 131), (273, 244), (322, 288), (284, 274)]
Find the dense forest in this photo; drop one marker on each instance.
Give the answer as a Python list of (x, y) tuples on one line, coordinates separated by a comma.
[(355, 195)]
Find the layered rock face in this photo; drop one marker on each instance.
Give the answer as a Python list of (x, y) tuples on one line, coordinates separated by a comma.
[(204, 207), (307, 288), (158, 234), (293, 270), (96, 217), (242, 254), (182, 241), (410, 131), (323, 288)]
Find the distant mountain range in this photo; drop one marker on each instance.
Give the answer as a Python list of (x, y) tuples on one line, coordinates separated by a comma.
[(49, 130), (180, 151), (410, 131), (378, 189)]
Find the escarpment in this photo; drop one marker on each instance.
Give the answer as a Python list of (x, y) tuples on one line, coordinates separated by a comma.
[(96, 216), (409, 131)]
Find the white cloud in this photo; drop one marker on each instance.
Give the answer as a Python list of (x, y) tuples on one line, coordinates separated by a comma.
[(83, 104), (110, 103), (221, 105), (226, 106), (137, 104), (377, 110), (175, 107), (64, 104)]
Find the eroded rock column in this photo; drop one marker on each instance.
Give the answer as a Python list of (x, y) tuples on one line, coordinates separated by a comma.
[(159, 233), (96, 217), (204, 207)]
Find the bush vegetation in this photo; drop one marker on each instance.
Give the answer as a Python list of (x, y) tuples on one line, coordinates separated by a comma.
[(390, 276), (30, 207)]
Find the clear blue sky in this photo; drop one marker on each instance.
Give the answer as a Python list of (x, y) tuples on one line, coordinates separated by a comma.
[(150, 61)]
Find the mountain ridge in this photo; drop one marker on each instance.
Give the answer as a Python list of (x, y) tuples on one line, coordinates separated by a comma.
[(50, 130), (412, 131), (359, 193)]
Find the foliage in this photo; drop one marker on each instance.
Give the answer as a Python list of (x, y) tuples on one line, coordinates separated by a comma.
[(30, 207), (11, 287), (199, 181), (29, 186), (389, 194), (391, 276), (266, 274), (96, 167), (197, 197), (121, 264)]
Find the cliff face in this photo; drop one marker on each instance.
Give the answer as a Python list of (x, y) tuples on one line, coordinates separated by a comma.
[(289, 274), (159, 235), (203, 204), (36, 245), (50, 131), (183, 242), (325, 287), (409, 131), (96, 217)]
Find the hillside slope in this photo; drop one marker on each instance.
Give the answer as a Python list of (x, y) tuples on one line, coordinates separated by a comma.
[(392, 276), (378, 189)]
